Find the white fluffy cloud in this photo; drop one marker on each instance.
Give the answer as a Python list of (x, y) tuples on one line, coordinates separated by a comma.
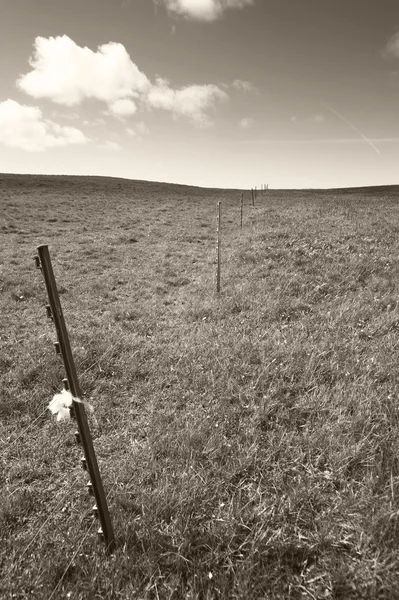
[(204, 10), (124, 107), (24, 127), (192, 101), (68, 74)]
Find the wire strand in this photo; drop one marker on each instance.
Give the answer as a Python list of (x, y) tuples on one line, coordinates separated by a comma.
[(71, 561), (11, 444), (53, 510)]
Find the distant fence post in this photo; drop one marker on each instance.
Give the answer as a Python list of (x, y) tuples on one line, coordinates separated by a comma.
[(219, 250), (89, 461), (242, 207), (252, 195)]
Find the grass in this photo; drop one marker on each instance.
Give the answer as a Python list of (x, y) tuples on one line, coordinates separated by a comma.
[(248, 442)]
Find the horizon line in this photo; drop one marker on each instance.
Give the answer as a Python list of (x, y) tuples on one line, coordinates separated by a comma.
[(240, 189)]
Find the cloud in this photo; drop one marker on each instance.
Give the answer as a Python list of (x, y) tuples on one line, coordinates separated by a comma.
[(68, 74), (124, 107), (138, 130), (246, 123), (114, 146), (392, 46), (191, 101), (71, 116), (203, 10), (244, 86), (318, 118), (142, 128), (24, 127), (95, 122)]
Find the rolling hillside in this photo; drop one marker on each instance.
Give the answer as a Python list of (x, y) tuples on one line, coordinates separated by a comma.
[(248, 441)]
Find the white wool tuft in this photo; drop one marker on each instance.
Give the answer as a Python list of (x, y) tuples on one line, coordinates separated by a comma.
[(61, 403)]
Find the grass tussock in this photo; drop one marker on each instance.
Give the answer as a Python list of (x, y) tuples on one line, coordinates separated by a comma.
[(248, 442)]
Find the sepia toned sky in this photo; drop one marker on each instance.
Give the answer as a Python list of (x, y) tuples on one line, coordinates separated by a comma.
[(224, 93)]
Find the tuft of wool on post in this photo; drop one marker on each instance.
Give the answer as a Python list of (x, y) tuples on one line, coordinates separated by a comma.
[(61, 403)]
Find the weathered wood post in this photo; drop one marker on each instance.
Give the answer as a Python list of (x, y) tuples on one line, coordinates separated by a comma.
[(219, 242)]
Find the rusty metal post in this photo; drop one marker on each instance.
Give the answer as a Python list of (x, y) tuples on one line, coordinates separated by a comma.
[(84, 435), (219, 250)]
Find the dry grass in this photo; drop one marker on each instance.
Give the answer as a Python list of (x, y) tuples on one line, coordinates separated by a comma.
[(248, 441)]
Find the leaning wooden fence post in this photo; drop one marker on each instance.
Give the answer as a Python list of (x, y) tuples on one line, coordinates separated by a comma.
[(242, 207), (84, 435), (219, 250)]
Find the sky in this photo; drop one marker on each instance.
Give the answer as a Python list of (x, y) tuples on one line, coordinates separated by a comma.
[(215, 93)]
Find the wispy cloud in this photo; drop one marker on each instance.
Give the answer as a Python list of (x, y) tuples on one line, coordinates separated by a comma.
[(69, 74), (193, 101), (25, 127), (246, 122), (244, 86), (203, 10), (108, 145), (393, 140), (318, 118), (138, 130), (98, 122), (392, 46)]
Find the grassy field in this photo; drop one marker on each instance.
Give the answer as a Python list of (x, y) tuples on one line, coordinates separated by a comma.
[(248, 442)]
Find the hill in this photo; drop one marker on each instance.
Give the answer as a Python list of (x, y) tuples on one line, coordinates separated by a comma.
[(248, 441)]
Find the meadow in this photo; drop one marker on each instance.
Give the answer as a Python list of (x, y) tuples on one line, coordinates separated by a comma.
[(248, 441)]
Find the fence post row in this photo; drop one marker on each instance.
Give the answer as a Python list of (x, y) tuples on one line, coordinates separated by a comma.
[(89, 462)]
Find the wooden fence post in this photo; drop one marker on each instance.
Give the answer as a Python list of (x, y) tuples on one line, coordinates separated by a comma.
[(219, 250), (242, 207), (72, 382)]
